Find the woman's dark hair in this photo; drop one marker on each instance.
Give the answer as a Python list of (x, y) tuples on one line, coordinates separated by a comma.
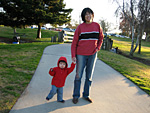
[(84, 12)]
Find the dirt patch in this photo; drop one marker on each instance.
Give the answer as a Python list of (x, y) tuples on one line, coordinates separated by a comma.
[(144, 61), (6, 40), (10, 41)]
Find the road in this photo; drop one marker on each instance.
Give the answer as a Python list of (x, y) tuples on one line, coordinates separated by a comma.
[(111, 91)]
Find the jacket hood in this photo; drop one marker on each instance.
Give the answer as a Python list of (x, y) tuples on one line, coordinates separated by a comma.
[(62, 59)]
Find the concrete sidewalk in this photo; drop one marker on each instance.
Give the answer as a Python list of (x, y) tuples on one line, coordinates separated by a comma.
[(111, 91)]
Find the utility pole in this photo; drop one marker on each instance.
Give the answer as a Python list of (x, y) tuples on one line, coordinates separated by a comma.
[(79, 19)]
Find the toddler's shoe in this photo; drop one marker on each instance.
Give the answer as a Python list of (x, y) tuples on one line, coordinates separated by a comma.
[(62, 101), (47, 98)]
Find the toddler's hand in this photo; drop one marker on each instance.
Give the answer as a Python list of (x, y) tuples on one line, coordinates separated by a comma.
[(51, 69)]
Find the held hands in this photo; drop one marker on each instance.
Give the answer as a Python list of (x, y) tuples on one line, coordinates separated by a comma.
[(97, 49), (74, 60)]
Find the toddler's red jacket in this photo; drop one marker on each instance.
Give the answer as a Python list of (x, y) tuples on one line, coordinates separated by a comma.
[(59, 75)]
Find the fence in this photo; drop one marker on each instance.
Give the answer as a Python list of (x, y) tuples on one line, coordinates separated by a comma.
[(65, 36), (107, 43)]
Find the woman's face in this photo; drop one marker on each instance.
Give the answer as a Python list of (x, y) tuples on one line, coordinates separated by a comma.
[(88, 17)]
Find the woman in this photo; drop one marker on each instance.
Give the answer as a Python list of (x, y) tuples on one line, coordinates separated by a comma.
[(87, 41)]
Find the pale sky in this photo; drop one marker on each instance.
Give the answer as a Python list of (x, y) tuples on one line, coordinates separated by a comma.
[(102, 9)]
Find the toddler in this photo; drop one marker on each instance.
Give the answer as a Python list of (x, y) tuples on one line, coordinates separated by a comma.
[(59, 74)]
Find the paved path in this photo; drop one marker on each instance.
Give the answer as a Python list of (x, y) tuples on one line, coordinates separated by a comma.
[(111, 92)]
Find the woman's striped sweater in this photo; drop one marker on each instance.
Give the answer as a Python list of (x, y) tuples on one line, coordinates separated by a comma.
[(87, 39)]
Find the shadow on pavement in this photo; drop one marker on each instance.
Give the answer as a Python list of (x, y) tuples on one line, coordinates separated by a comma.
[(51, 106)]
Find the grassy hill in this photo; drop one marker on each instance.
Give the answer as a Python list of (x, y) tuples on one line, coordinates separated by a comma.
[(27, 34)]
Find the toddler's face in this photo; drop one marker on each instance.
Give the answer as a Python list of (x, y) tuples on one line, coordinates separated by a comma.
[(62, 65)]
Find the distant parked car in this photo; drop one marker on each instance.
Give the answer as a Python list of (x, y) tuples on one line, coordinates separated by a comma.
[(57, 29), (67, 29), (73, 30), (111, 34), (121, 36), (117, 35), (105, 34), (43, 28), (126, 37)]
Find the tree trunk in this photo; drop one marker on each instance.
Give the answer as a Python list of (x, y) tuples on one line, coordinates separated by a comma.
[(139, 51), (14, 31), (147, 37), (145, 15), (138, 38), (132, 25), (132, 45), (137, 43), (39, 32)]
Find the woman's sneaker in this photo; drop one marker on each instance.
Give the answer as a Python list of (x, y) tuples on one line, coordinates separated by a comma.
[(75, 100), (88, 99)]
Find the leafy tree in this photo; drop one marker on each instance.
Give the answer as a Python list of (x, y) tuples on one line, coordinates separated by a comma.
[(104, 24), (12, 14), (49, 11), (73, 24), (39, 12)]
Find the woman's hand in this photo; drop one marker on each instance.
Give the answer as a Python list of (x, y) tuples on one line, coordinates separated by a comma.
[(96, 49), (74, 60)]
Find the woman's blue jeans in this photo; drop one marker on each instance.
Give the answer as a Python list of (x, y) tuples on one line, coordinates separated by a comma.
[(87, 62), (55, 90)]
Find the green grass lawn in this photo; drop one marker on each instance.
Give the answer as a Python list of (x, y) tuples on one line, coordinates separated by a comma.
[(19, 62), (124, 45), (137, 72)]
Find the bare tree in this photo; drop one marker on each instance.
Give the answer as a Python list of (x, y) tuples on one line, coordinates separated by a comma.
[(104, 24), (129, 7), (136, 12), (143, 16), (124, 25)]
